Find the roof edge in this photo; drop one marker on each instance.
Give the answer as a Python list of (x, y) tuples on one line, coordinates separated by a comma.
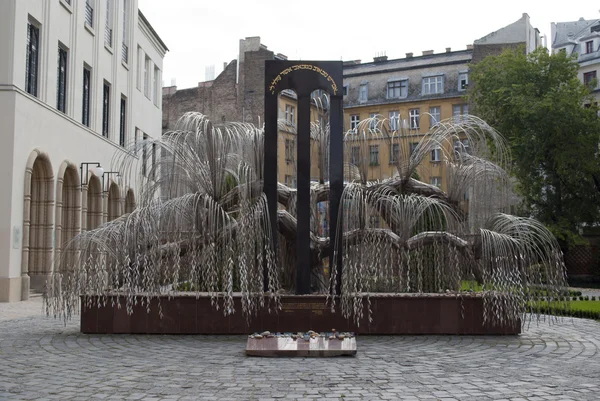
[(145, 21)]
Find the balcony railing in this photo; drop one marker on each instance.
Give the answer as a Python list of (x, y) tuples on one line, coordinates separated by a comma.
[(125, 54), (108, 36), (89, 14)]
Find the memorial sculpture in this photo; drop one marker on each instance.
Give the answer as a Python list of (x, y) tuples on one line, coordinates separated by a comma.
[(203, 224)]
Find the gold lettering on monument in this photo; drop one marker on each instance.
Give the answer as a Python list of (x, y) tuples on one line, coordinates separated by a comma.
[(297, 67)]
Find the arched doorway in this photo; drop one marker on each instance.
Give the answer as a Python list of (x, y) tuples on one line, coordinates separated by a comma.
[(129, 201), (114, 202), (68, 210), (94, 203), (38, 221)]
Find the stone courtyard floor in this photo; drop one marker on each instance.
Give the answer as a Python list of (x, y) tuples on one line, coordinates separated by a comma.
[(41, 358)]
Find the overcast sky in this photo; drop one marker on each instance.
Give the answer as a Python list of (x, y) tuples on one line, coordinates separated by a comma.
[(201, 33)]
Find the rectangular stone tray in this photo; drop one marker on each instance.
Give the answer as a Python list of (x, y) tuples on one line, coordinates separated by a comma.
[(288, 347)]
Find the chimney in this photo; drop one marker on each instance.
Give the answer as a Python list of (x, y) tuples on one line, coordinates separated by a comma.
[(224, 65), (409, 55), (448, 49), (469, 47), (380, 57), (427, 52)]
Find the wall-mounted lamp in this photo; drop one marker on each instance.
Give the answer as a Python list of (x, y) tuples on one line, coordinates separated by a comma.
[(97, 171), (107, 176)]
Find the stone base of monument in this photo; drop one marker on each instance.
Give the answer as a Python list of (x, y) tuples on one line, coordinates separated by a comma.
[(185, 313), (288, 347)]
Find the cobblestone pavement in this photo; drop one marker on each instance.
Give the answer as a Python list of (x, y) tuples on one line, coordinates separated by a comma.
[(41, 358)]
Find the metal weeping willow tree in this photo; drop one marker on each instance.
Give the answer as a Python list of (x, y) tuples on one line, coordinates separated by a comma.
[(203, 225)]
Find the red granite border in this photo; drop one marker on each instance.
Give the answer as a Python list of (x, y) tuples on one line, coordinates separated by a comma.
[(391, 314)]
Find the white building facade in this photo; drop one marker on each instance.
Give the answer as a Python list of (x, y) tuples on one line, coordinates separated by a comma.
[(80, 81), (580, 38)]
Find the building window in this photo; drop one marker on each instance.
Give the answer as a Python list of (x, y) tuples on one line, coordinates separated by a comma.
[(85, 118), (413, 115), (156, 94), (394, 118), (355, 155), (138, 81), (463, 81), (394, 153), (437, 181), (413, 147), (462, 146), (460, 112), (290, 112), (105, 109), (290, 181), (434, 116), (89, 12), (363, 93), (290, 146), (354, 120), (346, 90), (61, 90), (436, 154), (31, 62), (147, 77), (433, 85), (125, 48), (373, 121), (108, 29), (397, 89), (589, 46), (374, 155), (153, 165), (588, 79), (145, 155), (123, 121)]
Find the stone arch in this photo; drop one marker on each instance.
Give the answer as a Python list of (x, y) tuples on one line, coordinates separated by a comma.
[(38, 221), (68, 206), (94, 203), (129, 201), (114, 202)]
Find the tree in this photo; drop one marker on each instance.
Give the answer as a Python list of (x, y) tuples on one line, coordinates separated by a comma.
[(552, 125)]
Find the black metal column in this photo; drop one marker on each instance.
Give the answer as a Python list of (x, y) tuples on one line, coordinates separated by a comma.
[(303, 197), (270, 169), (336, 184)]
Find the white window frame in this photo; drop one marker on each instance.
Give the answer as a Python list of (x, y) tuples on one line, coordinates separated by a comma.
[(394, 155), (156, 79), (433, 85), (373, 155), (394, 120), (346, 90), (147, 70), (463, 81), (437, 181), (433, 120), (373, 123), (413, 115), (436, 154), (363, 93), (289, 114), (354, 120), (403, 89), (459, 112)]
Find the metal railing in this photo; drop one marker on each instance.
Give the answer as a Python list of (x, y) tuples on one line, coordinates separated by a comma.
[(89, 14)]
